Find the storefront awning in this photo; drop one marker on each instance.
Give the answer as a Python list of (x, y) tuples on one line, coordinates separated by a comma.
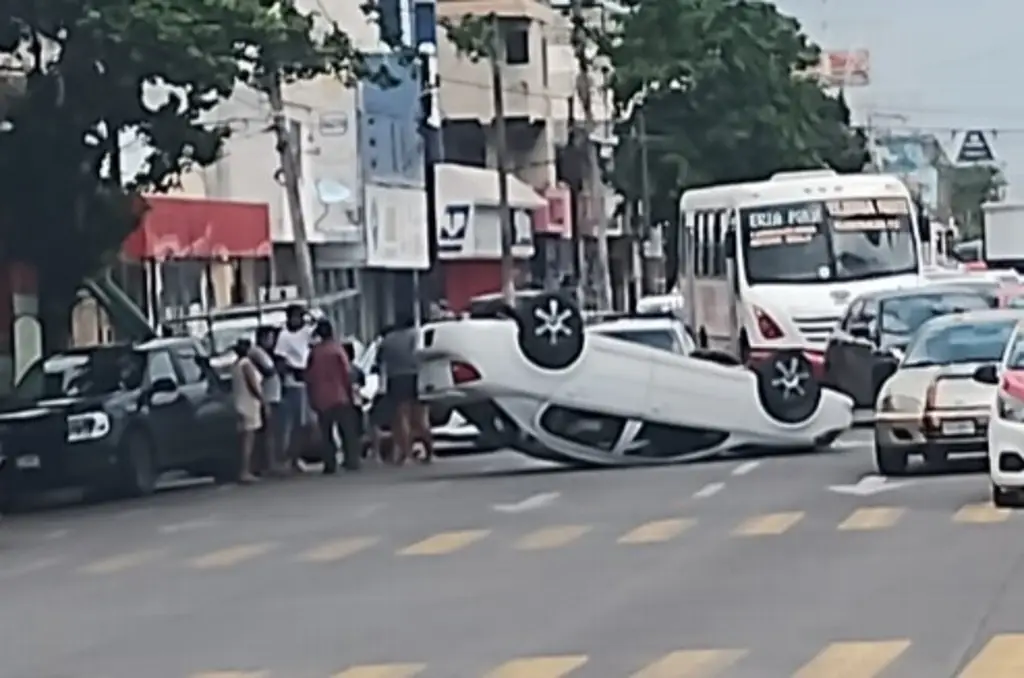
[(465, 185), (195, 228)]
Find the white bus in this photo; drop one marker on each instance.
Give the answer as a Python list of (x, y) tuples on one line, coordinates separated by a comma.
[(773, 265)]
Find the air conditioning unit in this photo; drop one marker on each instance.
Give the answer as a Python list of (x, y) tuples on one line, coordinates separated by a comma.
[(804, 174)]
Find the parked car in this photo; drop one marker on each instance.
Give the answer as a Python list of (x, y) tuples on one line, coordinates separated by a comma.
[(114, 418)]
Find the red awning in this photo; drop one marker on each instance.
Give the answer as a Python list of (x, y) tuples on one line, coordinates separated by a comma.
[(189, 228)]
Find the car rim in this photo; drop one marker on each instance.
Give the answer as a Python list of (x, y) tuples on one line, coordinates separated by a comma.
[(790, 379), (553, 322)]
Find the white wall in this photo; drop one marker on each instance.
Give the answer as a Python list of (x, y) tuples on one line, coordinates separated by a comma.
[(327, 111)]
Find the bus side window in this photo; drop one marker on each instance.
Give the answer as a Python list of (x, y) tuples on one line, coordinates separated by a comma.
[(718, 238), (702, 246)]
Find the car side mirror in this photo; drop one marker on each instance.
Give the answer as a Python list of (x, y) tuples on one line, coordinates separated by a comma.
[(987, 374), (860, 330), (163, 385)]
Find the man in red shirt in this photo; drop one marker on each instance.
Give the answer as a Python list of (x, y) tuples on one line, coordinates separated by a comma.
[(329, 384)]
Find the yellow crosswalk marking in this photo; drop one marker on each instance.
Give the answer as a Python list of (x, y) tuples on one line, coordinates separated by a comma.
[(657, 531), (981, 513), (122, 562), (382, 671), (769, 523), (444, 542), (691, 664), (853, 660), (872, 518), (539, 667), (1002, 657), (331, 551), (233, 555), (551, 537)]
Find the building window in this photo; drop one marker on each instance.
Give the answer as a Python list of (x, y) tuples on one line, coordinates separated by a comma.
[(517, 42)]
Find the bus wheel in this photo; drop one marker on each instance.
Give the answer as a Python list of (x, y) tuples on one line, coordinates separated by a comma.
[(787, 387), (702, 338)]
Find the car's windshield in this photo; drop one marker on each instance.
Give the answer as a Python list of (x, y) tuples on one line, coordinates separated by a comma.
[(1015, 356), (81, 374), (902, 316), (835, 240), (943, 342), (663, 339)]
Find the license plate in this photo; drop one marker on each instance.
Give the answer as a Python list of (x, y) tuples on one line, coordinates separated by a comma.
[(958, 428), (28, 461)]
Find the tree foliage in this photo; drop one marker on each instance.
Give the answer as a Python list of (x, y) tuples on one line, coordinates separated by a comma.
[(95, 68), (972, 187), (726, 96)]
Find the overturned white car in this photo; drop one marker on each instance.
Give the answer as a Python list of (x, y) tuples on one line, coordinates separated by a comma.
[(557, 390)]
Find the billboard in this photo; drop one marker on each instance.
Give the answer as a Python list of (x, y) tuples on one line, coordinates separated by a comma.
[(844, 68)]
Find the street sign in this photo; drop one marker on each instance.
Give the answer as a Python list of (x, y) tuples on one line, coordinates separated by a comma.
[(975, 148)]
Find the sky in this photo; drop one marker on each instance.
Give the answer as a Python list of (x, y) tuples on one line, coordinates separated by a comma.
[(937, 67)]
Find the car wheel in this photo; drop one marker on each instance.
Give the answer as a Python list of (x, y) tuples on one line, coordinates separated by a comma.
[(890, 461), (715, 356), (787, 388), (139, 472), (550, 332), (1002, 498)]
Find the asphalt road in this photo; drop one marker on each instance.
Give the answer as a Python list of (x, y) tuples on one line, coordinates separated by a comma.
[(500, 567)]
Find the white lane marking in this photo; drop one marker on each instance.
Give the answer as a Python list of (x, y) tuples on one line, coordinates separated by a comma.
[(745, 468), (28, 568), (869, 485), (709, 490), (188, 525), (56, 534), (529, 504)]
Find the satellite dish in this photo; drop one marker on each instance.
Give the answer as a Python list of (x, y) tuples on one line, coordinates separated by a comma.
[(331, 192)]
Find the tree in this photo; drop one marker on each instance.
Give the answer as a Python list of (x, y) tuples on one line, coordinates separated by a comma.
[(972, 187), (96, 68), (726, 96)]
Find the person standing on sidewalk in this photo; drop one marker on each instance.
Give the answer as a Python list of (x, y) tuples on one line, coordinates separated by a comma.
[(291, 352), (329, 383), (396, 360), (247, 395), (272, 443)]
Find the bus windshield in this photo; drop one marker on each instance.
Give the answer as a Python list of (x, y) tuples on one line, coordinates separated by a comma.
[(829, 240)]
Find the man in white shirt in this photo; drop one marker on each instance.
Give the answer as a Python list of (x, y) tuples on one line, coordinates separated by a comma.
[(291, 352)]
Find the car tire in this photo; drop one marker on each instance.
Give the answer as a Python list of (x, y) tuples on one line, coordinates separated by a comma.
[(1004, 499), (551, 332), (715, 356), (890, 461), (139, 472), (787, 388)]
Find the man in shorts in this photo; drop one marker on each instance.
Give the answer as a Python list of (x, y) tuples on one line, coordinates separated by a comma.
[(291, 353), (397, 361)]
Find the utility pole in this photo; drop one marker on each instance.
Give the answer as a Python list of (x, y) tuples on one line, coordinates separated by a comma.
[(286, 151), (592, 172), (645, 194), (500, 141)]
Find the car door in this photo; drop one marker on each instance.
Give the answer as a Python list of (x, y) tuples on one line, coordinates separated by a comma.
[(862, 354), (838, 349), (211, 414), (167, 414)]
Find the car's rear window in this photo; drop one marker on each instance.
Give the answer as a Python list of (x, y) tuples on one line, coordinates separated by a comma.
[(905, 315), (944, 343)]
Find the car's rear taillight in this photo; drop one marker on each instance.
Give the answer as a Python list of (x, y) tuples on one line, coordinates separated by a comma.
[(766, 325), (463, 373)]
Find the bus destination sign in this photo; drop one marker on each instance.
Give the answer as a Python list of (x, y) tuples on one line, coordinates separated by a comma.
[(788, 224), (882, 214)]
